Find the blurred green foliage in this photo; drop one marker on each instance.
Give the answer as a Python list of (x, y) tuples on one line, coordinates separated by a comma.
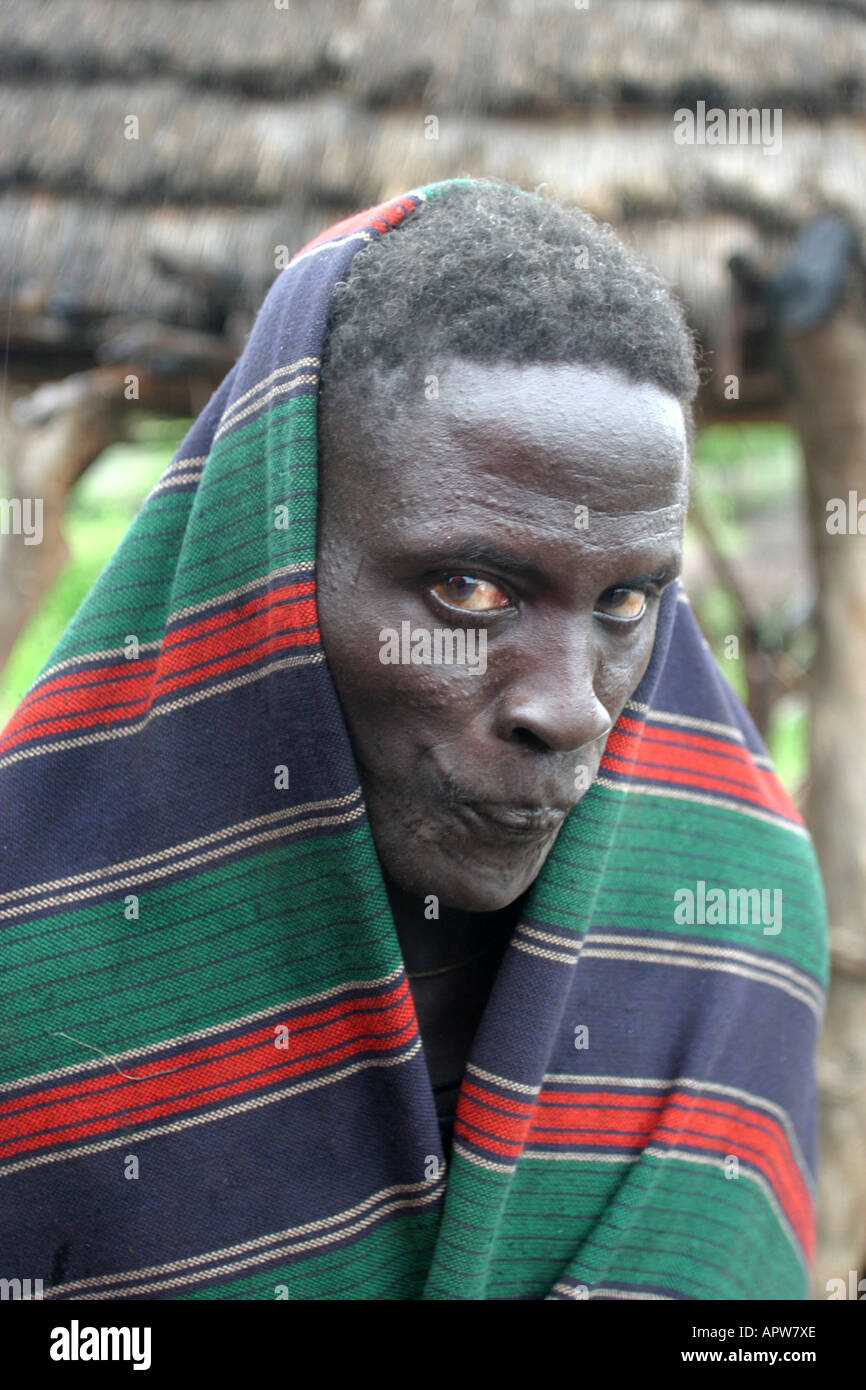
[(740, 471), (101, 507), (743, 473)]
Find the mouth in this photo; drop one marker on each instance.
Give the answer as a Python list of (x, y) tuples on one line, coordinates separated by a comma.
[(522, 821)]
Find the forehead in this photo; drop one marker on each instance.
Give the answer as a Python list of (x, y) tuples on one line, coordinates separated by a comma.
[(498, 445)]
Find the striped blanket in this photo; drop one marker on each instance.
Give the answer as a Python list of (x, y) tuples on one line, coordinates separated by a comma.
[(212, 1083)]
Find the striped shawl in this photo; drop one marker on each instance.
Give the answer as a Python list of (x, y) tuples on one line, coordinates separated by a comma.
[(212, 1083)]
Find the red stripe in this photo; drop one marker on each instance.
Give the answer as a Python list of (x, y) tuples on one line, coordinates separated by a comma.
[(107, 1101), (72, 679), (131, 688), (517, 1110), (684, 764), (381, 218), (687, 779), (713, 743), (589, 1119), (679, 753), (723, 1121)]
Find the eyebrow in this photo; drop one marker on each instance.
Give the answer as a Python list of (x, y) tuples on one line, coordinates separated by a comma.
[(668, 572), (482, 555)]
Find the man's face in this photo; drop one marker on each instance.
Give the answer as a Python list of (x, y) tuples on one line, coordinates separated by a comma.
[(465, 511)]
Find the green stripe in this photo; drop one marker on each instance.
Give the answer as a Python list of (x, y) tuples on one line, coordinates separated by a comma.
[(664, 1222), (584, 886), (239, 949), (388, 1262), (225, 533)]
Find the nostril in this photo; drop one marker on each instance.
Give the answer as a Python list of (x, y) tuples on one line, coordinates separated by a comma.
[(527, 737)]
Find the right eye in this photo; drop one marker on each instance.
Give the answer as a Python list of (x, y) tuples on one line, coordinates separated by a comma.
[(471, 595), (624, 605)]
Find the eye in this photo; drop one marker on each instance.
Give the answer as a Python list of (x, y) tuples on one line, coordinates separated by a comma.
[(623, 605), (471, 595)]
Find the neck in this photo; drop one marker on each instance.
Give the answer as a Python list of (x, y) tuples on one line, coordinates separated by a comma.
[(431, 942)]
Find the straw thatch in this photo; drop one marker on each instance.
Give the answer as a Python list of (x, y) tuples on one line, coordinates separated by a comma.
[(258, 125), (480, 55)]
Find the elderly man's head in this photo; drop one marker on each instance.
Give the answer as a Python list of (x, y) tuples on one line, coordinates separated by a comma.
[(504, 425)]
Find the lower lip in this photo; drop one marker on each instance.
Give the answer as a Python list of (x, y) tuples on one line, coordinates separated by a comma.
[(514, 821)]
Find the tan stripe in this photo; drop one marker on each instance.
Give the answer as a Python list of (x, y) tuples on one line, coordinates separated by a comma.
[(686, 720), (287, 370), (294, 1248), (177, 480), (540, 951), (764, 963), (304, 379), (575, 944), (261, 1243), (603, 1292), (502, 1081), (127, 730), (768, 817), (633, 1294), (552, 1155), (185, 846), (585, 1156), (328, 246), (199, 1034), (185, 463), (283, 572), (104, 655), (686, 963), (195, 861), (486, 1163), (191, 1121), (171, 477)]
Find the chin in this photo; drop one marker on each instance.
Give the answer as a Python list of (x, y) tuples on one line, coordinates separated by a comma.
[(473, 886), (478, 897)]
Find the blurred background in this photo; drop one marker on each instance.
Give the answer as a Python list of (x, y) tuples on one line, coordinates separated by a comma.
[(160, 159)]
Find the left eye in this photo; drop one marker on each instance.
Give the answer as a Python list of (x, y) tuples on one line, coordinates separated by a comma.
[(626, 605), (471, 595)]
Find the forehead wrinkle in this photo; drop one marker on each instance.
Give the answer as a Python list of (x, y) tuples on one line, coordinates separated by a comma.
[(555, 451), (538, 475), (518, 505), (612, 412), (582, 461), (475, 386), (550, 544), (472, 470), (432, 458)]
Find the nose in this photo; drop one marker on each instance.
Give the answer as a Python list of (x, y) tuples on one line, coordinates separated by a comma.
[(554, 706)]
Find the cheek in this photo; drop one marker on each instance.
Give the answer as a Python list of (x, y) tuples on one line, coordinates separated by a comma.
[(622, 666), (395, 710), (371, 644)]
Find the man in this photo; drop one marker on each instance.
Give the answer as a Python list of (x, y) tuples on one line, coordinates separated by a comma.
[(419, 915)]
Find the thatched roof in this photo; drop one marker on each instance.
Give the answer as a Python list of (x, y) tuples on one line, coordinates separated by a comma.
[(257, 126), (479, 55)]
